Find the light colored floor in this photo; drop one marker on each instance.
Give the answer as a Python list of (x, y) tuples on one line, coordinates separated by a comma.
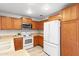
[(36, 51)]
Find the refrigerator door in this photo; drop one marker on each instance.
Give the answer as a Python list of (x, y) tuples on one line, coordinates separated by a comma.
[(51, 49), (46, 31), (54, 32)]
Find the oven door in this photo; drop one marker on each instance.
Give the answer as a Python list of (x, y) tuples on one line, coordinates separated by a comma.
[(28, 43)]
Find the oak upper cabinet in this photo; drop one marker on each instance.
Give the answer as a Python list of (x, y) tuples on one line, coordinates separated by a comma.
[(69, 38), (37, 25), (0, 23), (34, 25), (55, 17), (41, 25), (17, 23), (75, 11), (18, 43), (4, 23), (26, 20), (9, 23), (70, 13), (66, 14)]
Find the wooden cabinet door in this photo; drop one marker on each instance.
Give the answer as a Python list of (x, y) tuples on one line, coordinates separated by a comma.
[(17, 24), (66, 14), (26, 20), (41, 25), (75, 12), (78, 37), (9, 23), (35, 40), (68, 38), (0, 22), (55, 17), (70, 13), (37, 25), (4, 23), (34, 25), (18, 43), (40, 41)]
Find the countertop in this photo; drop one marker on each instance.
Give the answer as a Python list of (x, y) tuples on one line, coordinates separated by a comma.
[(11, 51), (37, 34), (9, 36)]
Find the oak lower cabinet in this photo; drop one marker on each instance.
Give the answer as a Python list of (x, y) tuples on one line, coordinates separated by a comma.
[(69, 38), (18, 43), (38, 40)]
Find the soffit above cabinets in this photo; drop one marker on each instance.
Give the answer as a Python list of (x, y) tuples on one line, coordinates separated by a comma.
[(37, 11)]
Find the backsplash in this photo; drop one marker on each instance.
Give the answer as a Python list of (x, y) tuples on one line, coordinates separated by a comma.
[(11, 32), (15, 32)]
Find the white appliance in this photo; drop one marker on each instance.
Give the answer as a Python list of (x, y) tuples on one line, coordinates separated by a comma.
[(52, 38), (27, 40)]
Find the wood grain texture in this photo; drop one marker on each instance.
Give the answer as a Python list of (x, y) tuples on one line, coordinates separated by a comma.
[(78, 37), (34, 25), (69, 38), (26, 20), (9, 23), (17, 23), (38, 40), (69, 13), (55, 17), (18, 43), (35, 40), (4, 23), (0, 23)]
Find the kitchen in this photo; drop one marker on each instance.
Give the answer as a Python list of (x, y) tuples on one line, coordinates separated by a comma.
[(49, 32)]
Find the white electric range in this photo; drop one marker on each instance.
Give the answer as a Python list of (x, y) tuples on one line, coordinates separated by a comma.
[(27, 40)]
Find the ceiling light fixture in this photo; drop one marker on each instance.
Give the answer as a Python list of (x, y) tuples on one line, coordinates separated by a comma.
[(29, 11), (46, 7)]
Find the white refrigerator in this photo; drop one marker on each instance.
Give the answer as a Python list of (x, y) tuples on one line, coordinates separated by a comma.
[(52, 38)]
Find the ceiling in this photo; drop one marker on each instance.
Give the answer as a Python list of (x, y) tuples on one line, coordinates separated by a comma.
[(37, 11)]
